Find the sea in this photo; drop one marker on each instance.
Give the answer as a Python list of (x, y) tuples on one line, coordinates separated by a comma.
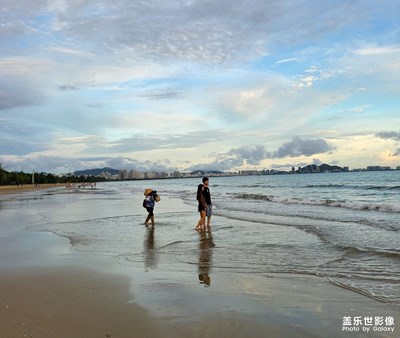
[(340, 227)]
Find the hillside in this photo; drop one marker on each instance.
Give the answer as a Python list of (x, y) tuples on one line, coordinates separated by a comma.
[(96, 172)]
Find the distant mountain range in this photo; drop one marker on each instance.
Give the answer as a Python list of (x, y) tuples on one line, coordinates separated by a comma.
[(96, 172), (327, 167)]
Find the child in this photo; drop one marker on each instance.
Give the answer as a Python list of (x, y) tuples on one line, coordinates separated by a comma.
[(149, 203)]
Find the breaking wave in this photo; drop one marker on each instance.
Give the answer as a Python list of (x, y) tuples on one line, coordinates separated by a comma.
[(384, 207)]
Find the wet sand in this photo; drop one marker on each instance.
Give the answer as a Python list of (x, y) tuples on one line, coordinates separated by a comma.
[(81, 302), (69, 302), (14, 189)]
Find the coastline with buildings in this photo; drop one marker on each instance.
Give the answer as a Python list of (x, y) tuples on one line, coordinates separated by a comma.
[(122, 175)]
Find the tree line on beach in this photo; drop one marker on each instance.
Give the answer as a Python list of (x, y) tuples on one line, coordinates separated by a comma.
[(21, 178)]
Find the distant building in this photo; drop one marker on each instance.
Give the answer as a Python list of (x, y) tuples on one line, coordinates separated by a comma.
[(176, 174), (136, 175), (250, 172), (378, 168), (106, 175), (150, 175), (161, 175), (123, 174), (373, 168)]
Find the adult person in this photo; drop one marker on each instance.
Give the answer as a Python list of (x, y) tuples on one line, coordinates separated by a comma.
[(149, 203), (205, 206), (202, 207)]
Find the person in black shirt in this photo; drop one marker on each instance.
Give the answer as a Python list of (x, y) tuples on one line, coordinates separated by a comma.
[(202, 208), (204, 199)]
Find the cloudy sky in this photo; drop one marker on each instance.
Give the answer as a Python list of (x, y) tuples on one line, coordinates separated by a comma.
[(207, 84)]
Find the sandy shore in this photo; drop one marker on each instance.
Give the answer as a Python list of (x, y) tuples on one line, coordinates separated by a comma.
[(80, 302), (69, 302), (13, 189)]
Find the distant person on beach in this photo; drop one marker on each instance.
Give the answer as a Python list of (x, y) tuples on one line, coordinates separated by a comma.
[(205, 206), (149, 203)]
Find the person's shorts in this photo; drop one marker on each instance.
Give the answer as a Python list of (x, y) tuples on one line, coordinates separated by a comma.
[(201, 208), (150, 211), (209, 210)]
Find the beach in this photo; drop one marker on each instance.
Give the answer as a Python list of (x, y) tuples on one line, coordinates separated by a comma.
[(77, 302), (69, 302), (13, 189), (82, 264)]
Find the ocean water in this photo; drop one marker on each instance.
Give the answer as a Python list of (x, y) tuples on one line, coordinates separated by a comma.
[(342, 227)]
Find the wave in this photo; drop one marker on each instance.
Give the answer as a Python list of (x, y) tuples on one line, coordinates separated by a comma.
[(331, 186), (390, 208), (172, 244), (353, 187), (379, 187), (392, 253), (365, 292)]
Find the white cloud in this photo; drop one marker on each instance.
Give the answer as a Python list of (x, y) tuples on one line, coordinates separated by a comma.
[(21, 66), (287, 60), (378, 50), (69, 51), (360, 109), (376, 68), (207, 31)]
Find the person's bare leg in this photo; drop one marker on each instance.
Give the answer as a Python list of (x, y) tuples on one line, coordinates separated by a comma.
[(201, 223), (153, 223), (146, 222)]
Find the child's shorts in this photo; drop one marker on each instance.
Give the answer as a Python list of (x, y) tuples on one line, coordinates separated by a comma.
[(209, 210), (150, 211)]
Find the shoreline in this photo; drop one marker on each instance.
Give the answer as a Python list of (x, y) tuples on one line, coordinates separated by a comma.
[(14, 189)]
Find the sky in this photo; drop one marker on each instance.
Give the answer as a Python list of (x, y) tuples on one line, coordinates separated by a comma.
[(198, 85)]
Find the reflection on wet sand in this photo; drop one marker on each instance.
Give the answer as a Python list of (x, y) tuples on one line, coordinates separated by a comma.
[(150, 259), (206, 245)]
